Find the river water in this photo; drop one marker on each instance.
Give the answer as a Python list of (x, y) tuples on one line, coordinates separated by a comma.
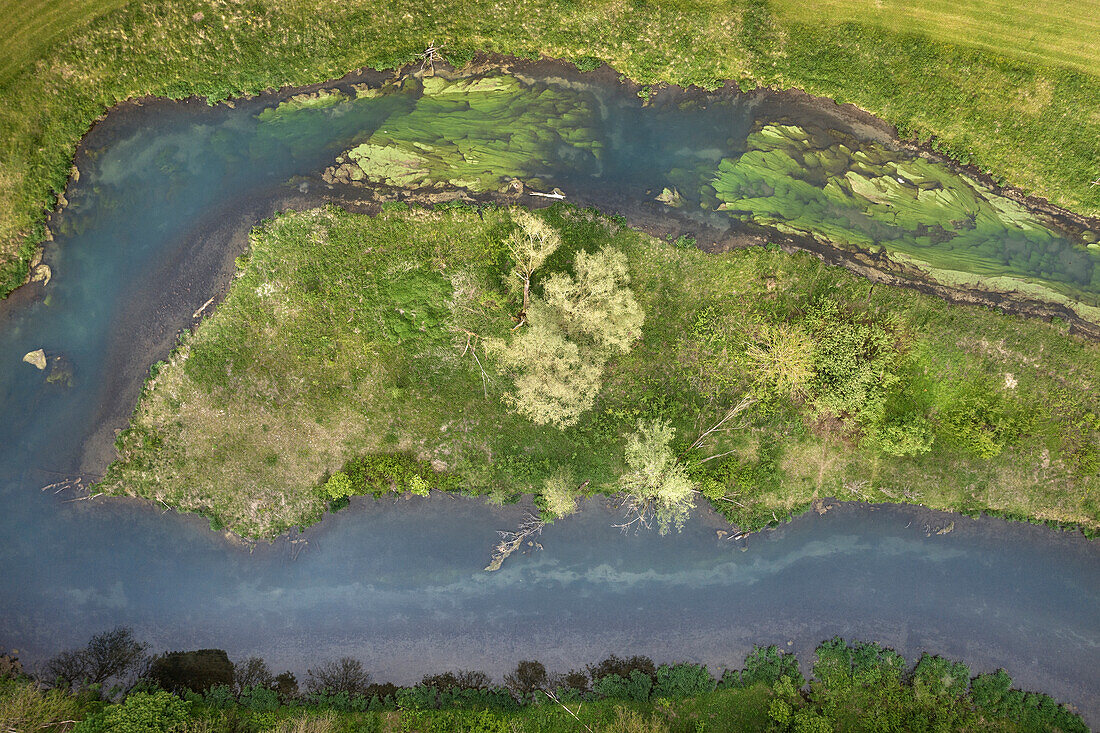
[(163, 192)]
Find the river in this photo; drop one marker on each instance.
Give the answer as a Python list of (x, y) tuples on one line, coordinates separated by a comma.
[(164, 196)]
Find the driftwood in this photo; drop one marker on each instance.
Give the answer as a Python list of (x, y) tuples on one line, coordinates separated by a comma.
[(205, 305), (555, 194), (512, 541)]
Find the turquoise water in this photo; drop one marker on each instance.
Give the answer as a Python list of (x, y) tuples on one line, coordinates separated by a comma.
[(400, 584)]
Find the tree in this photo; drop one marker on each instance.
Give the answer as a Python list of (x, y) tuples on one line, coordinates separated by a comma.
[(286, 684), (339, 486), (556, 379), (197, 670), (657, 484), (529, 676), (559, 492), (558, 360), (530, 245), (114, 654), (597, 303), (343, 675), (252, 673)]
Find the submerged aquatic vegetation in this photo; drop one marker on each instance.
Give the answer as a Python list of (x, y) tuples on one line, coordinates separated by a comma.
[(476, 133), (822, 184)]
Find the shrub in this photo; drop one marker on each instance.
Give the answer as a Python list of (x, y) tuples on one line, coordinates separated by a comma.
[(527, 677), (766, 665), (682, 680), (142, 712), (587, 63), (636, 687), (622, 667)]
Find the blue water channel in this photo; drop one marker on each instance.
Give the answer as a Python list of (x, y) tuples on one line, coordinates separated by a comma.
[(163, 196)]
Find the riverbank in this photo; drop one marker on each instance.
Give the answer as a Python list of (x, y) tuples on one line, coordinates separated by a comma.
[(290, 381), (1045, 136), (856, 685)]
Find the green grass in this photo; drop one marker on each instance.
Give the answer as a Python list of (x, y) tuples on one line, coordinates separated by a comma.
[(347, 337), (1014, 91)]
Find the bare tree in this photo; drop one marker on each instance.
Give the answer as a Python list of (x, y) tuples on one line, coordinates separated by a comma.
[(343, 675), (114, 654), (252, 673)]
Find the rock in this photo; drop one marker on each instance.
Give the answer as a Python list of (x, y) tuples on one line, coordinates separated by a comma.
[(42, 274), (36, 358)]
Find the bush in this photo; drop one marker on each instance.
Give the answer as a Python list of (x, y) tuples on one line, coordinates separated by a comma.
[(142, 712), (529, 676), (682, 680), (766, 665), (587, 63), (621, 667), (636, 687)]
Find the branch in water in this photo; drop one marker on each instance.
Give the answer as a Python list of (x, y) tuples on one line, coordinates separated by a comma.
[(512, 541)]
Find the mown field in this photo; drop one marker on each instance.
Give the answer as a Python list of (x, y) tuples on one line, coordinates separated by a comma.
[(1052, 32), (368, 355), (1012, 90)]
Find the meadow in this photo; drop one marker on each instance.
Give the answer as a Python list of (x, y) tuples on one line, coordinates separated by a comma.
[(1013, 91)]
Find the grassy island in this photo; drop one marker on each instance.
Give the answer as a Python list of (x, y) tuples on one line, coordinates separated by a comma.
[(1013, 89), (561, 353)]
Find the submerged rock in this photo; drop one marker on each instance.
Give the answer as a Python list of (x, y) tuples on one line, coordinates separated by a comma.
[(61, 371), (36, 358)]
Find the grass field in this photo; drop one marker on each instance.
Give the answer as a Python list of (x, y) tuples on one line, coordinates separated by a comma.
[(365, 344), (1049, 32), (1013, 90)]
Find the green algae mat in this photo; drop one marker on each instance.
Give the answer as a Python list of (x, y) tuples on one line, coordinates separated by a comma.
[(722, 159)]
